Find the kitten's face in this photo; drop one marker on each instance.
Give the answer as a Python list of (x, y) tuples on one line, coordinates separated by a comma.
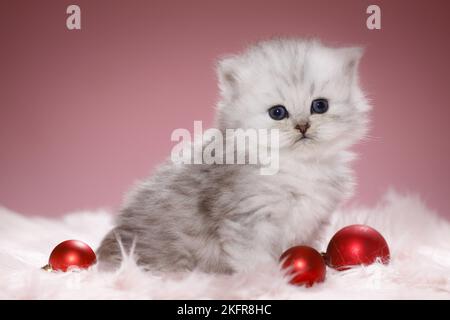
[(307, 91)]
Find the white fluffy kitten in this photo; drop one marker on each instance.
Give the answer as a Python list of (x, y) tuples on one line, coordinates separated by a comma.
[(224, 218)]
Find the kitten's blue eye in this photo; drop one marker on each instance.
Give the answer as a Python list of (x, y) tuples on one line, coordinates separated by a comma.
[(278, 112), (319, 106)]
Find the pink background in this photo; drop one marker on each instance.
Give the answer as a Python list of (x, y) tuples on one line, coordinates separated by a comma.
[(85, 113)]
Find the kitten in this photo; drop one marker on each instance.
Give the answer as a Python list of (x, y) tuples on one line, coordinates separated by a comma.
[(225, 218)]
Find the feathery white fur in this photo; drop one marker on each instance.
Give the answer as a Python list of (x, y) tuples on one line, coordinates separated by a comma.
[(419, 268)]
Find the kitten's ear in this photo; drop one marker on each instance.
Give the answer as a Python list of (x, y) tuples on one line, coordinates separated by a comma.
[(352, 56), (227, 76)]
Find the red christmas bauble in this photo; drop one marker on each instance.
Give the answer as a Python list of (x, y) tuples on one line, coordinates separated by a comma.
[(355, 245), (71, 253), (304, 264)]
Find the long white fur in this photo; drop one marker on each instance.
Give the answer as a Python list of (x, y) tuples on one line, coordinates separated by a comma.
[(419, 269)]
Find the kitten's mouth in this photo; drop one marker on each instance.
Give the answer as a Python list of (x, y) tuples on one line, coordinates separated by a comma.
[(302, 137)]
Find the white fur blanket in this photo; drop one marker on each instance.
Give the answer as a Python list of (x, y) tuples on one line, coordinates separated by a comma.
[(419, 269)]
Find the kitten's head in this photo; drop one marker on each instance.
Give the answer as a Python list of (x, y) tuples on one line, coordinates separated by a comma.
[(306, 90)]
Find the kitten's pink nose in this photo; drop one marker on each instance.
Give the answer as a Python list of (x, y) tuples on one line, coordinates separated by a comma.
[(303, 127)]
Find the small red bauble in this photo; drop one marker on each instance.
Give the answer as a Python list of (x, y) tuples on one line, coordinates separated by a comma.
[(355, 245), (71, 253), (304, 264)]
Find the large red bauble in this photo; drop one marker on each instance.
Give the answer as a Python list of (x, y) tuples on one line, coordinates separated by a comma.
[(304, 264), (355, 245), (71, 253)]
